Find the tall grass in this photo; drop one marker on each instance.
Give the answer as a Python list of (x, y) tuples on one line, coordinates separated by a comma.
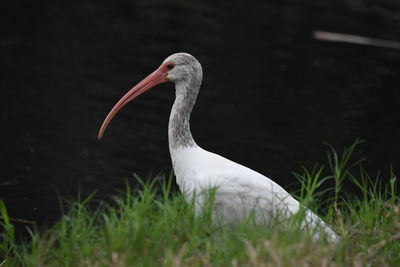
[(7, 235), (152, 225)]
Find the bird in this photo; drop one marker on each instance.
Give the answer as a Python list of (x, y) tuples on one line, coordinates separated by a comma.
[(238, 191)]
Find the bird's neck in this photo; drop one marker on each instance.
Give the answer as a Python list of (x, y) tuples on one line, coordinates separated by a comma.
[(179, 134)]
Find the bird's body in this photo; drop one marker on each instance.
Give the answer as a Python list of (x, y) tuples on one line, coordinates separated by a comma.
[(239, 191)]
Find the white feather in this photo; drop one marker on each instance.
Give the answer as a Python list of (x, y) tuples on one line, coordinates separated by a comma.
[(239, 191)]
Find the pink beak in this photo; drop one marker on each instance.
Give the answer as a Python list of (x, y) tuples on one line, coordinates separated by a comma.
[(155, 78)]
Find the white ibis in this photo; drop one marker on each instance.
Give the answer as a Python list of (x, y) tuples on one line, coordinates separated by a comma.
[(239, 191)]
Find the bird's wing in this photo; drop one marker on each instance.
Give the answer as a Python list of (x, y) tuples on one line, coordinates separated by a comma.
[(240, 191), (240, 196)]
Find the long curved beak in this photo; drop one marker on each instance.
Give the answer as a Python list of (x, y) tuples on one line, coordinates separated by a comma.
[(155, 78)]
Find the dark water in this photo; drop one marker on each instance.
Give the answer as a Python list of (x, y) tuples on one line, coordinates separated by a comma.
[(271, 96)]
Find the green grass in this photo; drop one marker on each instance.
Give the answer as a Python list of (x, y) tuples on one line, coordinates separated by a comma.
[(154, 226)]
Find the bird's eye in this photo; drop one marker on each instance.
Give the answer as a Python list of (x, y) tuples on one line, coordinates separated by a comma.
[(170, 66)]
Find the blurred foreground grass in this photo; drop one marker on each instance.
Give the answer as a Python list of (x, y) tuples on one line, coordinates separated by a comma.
[(153, 226)]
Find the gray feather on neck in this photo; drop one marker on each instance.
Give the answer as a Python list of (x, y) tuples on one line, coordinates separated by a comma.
[(187, 88)]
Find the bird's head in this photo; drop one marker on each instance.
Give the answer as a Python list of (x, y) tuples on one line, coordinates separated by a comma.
[(180, 68)]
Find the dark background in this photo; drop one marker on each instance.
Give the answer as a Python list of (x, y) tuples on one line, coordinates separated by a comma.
[(271, 96)]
